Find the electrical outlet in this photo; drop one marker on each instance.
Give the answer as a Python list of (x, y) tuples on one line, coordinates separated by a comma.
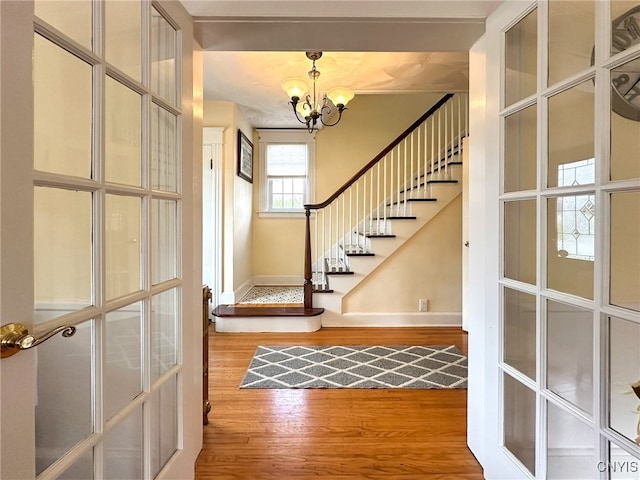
[(422, 305)]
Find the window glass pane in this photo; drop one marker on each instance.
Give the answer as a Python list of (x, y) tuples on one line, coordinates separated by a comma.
[(163, 405), (520, 149), (82, 469), (63, 252), (122, 372), (123, 36), (124, 449), (622, 465), (571, 244), (571, 37), (570, 354), (73, 18), (163, 332), (625, 25), (64, 392), (122, 245), (123, 119), (521, 59), (286, 160), (520, 422), (164, 240), (625, 121), (571, 127), (625, 250), (571, 449), (62, 92), (624, 378), (164, 150), (520, 331), (520, 241), (163, 57)]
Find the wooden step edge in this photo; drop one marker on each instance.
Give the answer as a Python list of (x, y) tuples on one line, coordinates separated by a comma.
[(402, 218), (422, 199), (246, 310), (361, 254), (377, 235), (347, 272), (442, 181), (324, 290)]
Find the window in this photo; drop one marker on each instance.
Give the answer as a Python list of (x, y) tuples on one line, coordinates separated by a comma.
[(286, 159)]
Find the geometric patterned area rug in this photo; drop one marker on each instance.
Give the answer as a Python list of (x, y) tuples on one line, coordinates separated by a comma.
[(417, 367)]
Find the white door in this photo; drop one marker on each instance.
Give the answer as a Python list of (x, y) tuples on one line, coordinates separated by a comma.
[(559, 347), (97, 233)]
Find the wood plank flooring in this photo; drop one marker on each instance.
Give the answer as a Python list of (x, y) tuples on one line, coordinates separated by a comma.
[(337, 434)]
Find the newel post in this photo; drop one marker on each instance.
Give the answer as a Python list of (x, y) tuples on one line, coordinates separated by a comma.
[(308, 280)]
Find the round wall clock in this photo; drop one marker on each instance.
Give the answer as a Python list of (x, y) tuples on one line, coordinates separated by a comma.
[(625, 80)]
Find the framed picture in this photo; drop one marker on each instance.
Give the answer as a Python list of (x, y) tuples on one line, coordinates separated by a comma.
[(245, 157)]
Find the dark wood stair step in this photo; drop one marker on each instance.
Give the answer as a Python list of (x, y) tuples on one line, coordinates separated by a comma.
[(360, 254), (247, 310), (442, 181), (378, 235)]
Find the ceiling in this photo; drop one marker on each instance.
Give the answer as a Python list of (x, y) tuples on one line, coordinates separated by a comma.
[(371, 47)]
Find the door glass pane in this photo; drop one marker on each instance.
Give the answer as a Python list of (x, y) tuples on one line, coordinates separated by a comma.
[(571, 127), (624, 377), (122, 372), (164, 424), (62, 251), (64, 394), (123, 118), (570, 354), (73, 18), (520, 241), (625, 121), (62, 111), (164, 354), (124, 449), (82, 469), (164, 241), (521, 59), (625, 250), (520, 422), (571, 449), (122, 249), (571, 244), (123, 36), (520, 331), (571, 37), (163, 57), (520, 150), (164, 153), (625, 25), (621, 465)]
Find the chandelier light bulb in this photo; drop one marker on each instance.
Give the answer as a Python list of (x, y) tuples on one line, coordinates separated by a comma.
[(340, 96)]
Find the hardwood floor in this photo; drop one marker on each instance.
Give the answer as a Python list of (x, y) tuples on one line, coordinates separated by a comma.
[(337, 433)]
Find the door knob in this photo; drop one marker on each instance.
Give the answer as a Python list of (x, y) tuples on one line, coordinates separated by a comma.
[(15, 337)]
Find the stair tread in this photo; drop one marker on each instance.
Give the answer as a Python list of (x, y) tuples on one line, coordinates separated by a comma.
[(344, 272), (442, 181), (360, 254), (257, 310), (376, 235)]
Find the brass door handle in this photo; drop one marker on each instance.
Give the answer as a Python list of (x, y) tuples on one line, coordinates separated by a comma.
[(15, 337)]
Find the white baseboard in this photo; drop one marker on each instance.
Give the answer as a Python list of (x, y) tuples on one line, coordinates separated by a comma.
[(278, 280), (230, 298), (418, 319)]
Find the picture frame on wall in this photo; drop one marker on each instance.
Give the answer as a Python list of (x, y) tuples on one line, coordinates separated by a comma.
[(245, 157)]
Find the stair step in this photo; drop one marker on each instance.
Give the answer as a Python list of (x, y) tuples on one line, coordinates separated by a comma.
[(343, 272), (323, 290), (422, 200), (378, 235), (261, 311), (401, 218), (442, 181), (360, 254)]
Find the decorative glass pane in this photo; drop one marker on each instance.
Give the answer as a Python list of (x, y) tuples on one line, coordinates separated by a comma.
[(63, 411), (63, 252), (624, 288), (520, 150), (163, 405), (570, 354), (625, 121), (164, 150), (624, 378), (164, 240), (164, 322), (123, 36), (163, 57), (571, 449), (123, 119), (625, 25), (123, 366), (621, 465), (571, 37), (520, 241), (520, 422), (571, 127), (122, 248), (521, 59), (124, 449), (520, 331), (73, 18), (571, 244), (82, 469), (63, 101)]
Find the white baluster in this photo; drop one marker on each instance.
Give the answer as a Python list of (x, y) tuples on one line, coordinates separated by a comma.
[(384, 198), (398, 182)]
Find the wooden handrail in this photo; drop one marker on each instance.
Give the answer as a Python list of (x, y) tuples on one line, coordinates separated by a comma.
[(381, 155)]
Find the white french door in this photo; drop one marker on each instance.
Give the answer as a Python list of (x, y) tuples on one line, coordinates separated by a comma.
[(97, 221)]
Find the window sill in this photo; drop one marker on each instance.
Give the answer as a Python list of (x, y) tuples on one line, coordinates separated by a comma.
[(283, 214)]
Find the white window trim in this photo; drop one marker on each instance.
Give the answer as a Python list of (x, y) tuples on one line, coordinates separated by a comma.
[(284, 136)]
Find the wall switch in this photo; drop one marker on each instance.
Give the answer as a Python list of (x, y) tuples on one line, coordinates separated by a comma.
[(422, 305)]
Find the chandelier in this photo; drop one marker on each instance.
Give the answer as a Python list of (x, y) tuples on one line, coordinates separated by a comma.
[(311, 108)]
